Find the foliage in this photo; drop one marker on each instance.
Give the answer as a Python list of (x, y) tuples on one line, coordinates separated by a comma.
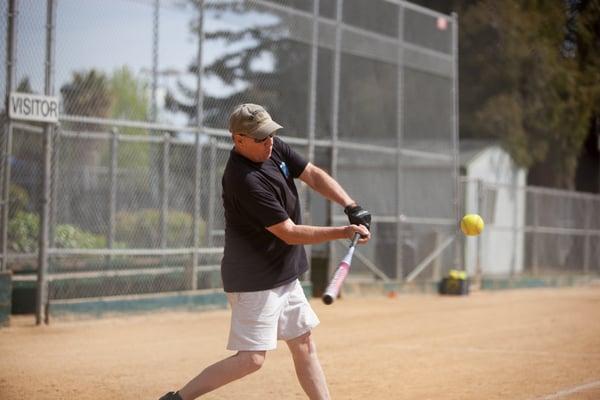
[(130, 97), (238, 67), (142, 228), (18, 200), (23, 231), (88, 94), (129, 101), (528, 93), (71, 237)]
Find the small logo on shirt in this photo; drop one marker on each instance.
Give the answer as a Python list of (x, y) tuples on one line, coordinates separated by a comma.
[(284, 168)]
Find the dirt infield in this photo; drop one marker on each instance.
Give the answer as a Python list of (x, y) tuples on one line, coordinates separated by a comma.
[(526, 344)]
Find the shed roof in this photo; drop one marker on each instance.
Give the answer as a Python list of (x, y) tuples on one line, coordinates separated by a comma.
[(470, 149)]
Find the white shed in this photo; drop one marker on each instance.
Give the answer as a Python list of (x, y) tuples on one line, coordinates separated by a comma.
[(493, 188)]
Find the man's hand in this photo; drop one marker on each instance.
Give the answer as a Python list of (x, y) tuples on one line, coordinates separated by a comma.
[(365, 235), (358, 216)]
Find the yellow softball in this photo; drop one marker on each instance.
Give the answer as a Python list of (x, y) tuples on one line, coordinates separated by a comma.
[(471, 224)]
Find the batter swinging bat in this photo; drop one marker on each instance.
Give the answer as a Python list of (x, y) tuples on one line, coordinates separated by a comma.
[(340, 274)]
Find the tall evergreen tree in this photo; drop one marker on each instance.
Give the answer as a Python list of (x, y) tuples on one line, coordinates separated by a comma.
[(256, 61)]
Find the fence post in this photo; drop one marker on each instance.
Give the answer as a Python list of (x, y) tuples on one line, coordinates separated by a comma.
[(334, 121), (515, 221), (42, 289), (479, 249), (191, 272), (212, 190), (455, 127), (534, 233), (6, 151), (437, 262), (155, 38), (112, 199), (164, 188), (399, 144), (54, 162), (312, 123), (11, 43), (586, 244)]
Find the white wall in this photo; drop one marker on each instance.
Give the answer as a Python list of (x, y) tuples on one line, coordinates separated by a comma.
[(501, 245)]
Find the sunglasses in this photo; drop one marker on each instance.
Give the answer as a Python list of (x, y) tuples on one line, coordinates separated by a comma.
[(258, 140)]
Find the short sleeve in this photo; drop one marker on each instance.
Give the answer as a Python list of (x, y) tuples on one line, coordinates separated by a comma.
[(261, 204), (295, 162)]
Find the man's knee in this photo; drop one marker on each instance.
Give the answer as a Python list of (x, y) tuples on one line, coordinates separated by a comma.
[(302, 344), (251, 361)]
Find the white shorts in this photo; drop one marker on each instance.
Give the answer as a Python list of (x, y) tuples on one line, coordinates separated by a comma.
[(259, 319)]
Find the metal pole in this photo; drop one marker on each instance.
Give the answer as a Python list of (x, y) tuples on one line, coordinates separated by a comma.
[(334, 121), (56, 142), (589, 210), (164, 187), (534, 232), (479, 242), (11, 44), (212, 190), (112, 198), (515, 222), (42, 289), (455, 130), (6, 193), (191, 274), (399, 145), (155, 38), (312, 96), (312, 117)]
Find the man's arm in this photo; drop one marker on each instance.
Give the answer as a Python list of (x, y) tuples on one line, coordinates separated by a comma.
[(291, 233), (321, 182)]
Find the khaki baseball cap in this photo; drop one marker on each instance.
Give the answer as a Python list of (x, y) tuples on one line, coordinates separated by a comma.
[(252, 120)]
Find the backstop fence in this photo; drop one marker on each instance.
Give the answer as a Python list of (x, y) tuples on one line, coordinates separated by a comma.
[(125, 190)]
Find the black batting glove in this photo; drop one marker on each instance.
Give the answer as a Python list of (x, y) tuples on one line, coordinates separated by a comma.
[(358, 216)]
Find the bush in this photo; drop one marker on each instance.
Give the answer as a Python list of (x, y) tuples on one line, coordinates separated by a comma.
[(18, 200), (23, 231), (70, 237), (142, 228)]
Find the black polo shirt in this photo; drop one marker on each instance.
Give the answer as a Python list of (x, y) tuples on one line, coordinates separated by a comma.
[(255, 196)]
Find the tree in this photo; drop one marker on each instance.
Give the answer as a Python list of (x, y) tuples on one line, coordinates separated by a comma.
[(130, 101), (583, 35), (130, 96), (88, 94), (529, 77), (261, 61), (518, 85), (527, 93)]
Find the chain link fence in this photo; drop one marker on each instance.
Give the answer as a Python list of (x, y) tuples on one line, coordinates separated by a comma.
[(532, 231), (146, 86)]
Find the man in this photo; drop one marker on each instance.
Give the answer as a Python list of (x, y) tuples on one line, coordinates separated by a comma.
[(264, 256)]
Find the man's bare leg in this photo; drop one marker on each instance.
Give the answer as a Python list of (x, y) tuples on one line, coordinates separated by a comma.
[(308, 368), (222, 373)]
